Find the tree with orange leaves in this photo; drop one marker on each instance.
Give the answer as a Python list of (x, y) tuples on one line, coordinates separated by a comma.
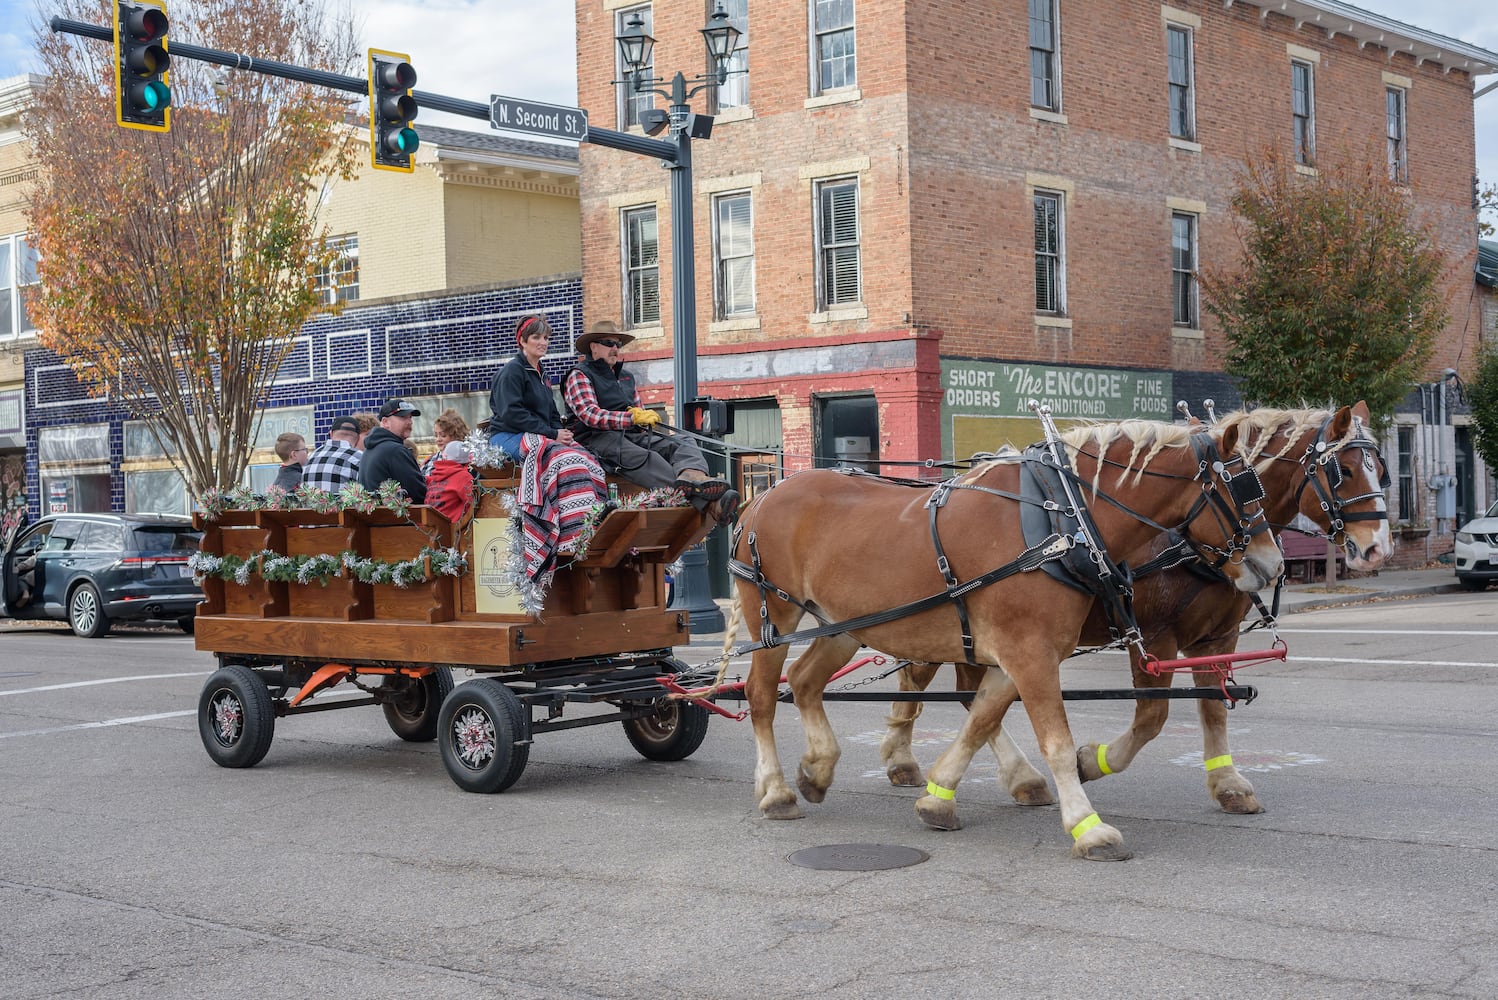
[(176, 268)]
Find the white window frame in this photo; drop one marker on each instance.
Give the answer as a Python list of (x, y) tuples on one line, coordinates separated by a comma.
[(1186, 87), (824, 30), (1396, 133), (733, 258), (635, 313), (1056, 256), (1050, 53), (13, 272), (826, 250), (1305, 148), (631, 103), (1187, 274), (339, 280)]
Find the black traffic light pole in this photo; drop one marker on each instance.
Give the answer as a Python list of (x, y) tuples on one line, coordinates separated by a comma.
[(677, 154)]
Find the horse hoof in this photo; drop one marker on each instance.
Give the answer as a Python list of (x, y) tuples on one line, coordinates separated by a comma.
[(1087, 768), (1106, 852), (781, 810), (809, 791), (906, 775), (1239, 804), (1032, 793), (938, 814)]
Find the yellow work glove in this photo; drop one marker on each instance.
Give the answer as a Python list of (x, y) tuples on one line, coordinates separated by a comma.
[(643, 417)]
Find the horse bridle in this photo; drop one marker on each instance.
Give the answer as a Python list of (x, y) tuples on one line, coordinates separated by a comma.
[(1320, 454), (1244, 488)]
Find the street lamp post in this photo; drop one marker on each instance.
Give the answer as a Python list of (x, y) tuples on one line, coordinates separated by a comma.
[(693, 592)]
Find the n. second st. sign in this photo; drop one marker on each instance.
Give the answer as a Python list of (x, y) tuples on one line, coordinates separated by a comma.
[(514, 115)]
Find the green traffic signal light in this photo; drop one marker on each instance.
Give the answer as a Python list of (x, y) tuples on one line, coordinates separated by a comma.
[(392, 140), (142, 93)]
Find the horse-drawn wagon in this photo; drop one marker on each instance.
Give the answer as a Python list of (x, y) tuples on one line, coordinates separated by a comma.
[(392, 600)]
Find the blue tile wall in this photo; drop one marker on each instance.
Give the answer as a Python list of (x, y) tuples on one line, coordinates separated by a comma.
[(439, 344)]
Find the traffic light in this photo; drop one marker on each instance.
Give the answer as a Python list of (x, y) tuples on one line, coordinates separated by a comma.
[(143, 98), (392, 140), (709, 417)]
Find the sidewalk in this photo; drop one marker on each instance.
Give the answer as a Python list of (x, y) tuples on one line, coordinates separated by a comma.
[(1383, 585)]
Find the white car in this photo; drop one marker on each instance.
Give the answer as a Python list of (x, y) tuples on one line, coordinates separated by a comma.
[(1477, 550)]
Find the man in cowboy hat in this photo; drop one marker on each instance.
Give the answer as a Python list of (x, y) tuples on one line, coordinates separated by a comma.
[(609, 421)]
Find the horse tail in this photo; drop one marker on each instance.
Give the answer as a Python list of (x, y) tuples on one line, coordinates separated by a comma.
[(735, 619)]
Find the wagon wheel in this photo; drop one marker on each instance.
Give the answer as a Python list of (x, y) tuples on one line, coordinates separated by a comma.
[(672, 731), (415, 703), (483, 731), (235, 719)]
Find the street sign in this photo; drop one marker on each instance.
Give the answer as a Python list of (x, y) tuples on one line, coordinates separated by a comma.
[(514, 115)]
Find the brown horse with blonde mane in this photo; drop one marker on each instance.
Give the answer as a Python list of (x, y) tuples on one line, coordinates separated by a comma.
[(1183, 610), (810, 545)]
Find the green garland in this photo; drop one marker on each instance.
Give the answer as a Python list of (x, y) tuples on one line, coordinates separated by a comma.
[(321, 568)]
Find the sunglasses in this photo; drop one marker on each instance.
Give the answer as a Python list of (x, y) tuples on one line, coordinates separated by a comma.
[(609, 343)]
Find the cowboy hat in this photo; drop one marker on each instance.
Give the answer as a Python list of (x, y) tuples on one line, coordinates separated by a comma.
[(604, 329)]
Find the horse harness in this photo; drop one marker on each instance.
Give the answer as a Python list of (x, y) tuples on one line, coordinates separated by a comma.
[(1050, 488), (1321, 455)]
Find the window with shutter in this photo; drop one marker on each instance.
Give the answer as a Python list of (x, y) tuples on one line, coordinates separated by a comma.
[(841, 280), (642, 268), (1183, 269), (1049, 276), (1182, 100), (1399, 168), (835, 44), (1303, 111), (734, 250), (1045, 89)]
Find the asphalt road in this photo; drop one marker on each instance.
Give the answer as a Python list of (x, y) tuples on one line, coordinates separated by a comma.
[(348, 865)]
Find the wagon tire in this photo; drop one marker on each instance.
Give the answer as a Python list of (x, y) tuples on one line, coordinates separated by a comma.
[(483, 732), (86, 612), (672, 731), (412, 714), (236, 720)]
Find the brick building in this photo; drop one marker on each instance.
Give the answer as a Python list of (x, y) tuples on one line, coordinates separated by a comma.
[(911, 216)]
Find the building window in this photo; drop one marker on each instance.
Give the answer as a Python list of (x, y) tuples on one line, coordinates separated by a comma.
[(1045, 80), (1050, 259), (1183, 268), (17, 275), (633, 104), (1303, 108), (734, 91), (1394, 124), (835, 45), (733, 253), (339, 280), (1182, 95), (839, 277), (642, 268), (156, 492), (1406, 474)]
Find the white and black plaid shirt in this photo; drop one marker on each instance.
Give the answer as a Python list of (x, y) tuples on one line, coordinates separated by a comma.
[(333, 464)]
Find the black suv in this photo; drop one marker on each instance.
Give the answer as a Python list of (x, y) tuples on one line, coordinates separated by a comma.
[(94, 569)]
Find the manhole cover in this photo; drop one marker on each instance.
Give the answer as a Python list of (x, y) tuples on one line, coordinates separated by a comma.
[(857, 857)]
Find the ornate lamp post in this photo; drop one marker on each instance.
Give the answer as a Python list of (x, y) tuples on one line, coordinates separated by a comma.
[(693, 592)]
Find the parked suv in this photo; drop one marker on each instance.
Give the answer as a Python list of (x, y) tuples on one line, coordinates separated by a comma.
[(1477, 550), (91, 570)]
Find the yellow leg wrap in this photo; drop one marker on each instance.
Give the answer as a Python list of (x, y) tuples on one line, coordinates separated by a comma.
[(1086, 824), (932, 788), (1102, 759), (1226, 760)]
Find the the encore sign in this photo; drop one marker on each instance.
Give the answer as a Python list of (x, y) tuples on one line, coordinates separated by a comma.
[(515, 115)]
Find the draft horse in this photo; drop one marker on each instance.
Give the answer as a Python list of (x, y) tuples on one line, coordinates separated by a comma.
[(1321, 463), (844, 547)]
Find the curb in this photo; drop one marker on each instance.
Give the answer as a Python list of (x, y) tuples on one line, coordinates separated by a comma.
[(1341, 600)]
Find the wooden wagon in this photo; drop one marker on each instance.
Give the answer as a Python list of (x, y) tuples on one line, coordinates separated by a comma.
[(605, 634)]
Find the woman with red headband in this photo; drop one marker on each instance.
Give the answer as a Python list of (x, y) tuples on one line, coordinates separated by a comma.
[(520, 400)]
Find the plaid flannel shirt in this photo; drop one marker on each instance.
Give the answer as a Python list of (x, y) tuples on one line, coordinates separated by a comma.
[(583, 402), (332, 465)]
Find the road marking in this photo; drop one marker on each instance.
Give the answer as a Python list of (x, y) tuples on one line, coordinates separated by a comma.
[(1393, 663), (1383, 631), (101, 725), (106, 680)]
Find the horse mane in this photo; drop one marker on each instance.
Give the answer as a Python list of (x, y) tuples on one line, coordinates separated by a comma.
[(1258, 428)]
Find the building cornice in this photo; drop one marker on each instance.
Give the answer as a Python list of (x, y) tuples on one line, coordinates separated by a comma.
[(1335, 18)]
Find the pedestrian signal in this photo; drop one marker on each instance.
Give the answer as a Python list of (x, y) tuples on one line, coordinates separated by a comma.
[(143, 95), (392, 140), (709, 417)]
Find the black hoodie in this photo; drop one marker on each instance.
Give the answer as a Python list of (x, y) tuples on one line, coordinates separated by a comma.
[(387, 457)]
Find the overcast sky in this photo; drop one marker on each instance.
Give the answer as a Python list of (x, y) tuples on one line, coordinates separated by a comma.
[(473, 48)]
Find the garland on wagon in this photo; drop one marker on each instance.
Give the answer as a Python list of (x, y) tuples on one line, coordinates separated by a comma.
[(353, 496), (323, 567)]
